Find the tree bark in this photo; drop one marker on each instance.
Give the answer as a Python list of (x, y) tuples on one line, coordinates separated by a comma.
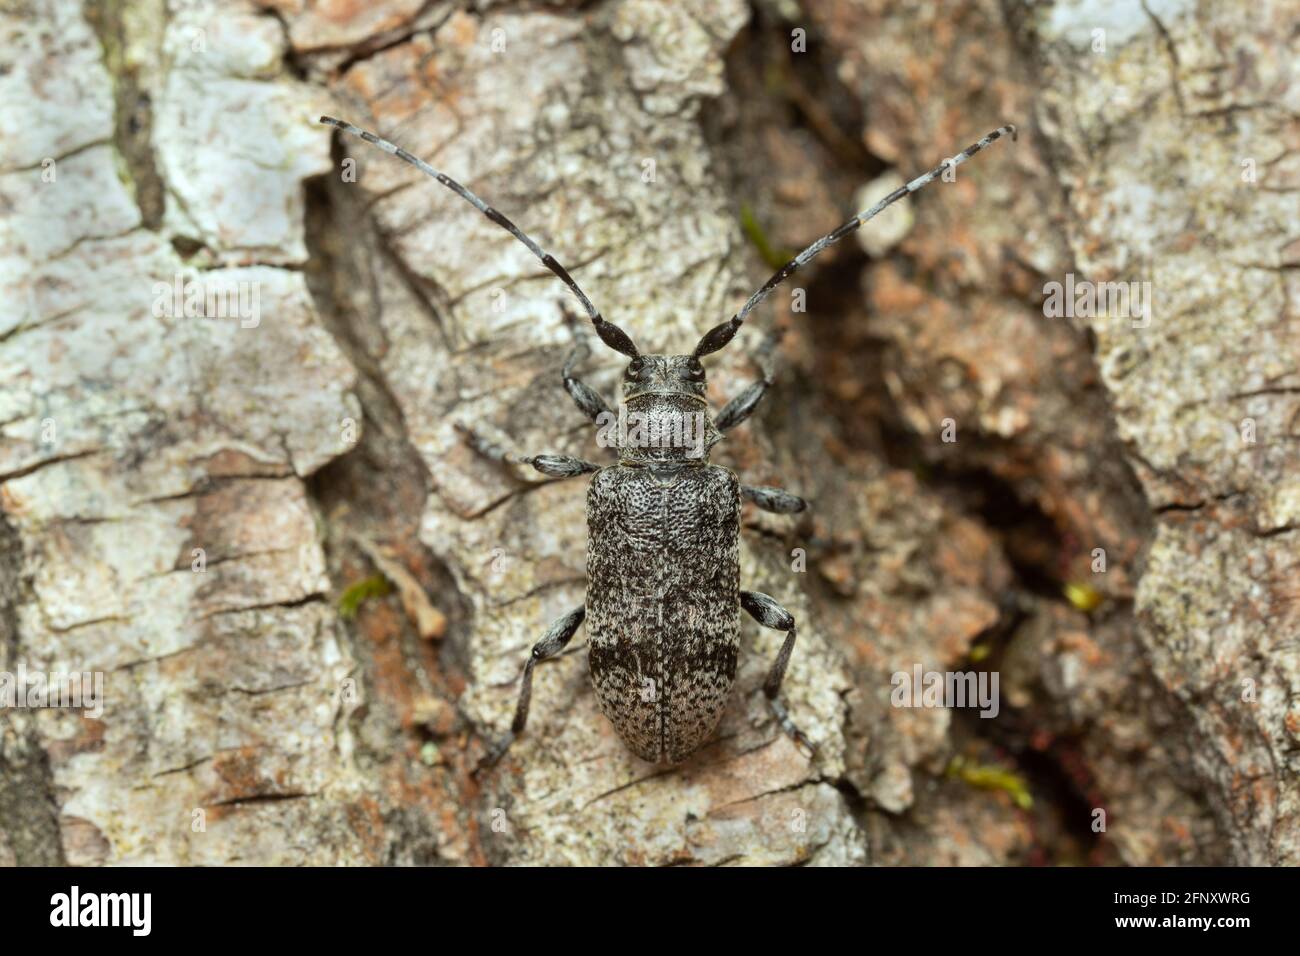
[(311, 599)]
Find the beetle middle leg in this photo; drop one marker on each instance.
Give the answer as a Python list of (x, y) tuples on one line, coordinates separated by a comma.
[(770, 614), (553, 466), (555, 639)]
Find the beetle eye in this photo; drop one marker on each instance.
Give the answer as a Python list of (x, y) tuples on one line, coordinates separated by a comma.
[(635, 369), (693, 370)]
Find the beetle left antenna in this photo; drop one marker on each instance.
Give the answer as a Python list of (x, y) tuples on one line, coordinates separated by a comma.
[(609, 333), (720, 335)]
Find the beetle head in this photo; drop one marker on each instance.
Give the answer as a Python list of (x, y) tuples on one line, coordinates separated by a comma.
[(664, 375), (673, 424)]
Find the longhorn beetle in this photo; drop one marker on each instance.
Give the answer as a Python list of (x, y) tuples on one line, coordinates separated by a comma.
[(663, 567)]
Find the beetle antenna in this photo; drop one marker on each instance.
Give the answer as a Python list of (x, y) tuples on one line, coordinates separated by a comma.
[(720, 335), (609, 333)]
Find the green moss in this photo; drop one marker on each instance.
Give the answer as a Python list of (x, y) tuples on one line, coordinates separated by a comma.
[(774, 81), (359, 592), (991, 777), (1083, 596), (775, 258)]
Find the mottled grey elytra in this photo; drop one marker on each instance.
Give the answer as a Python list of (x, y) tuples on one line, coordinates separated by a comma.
[(663, 568)]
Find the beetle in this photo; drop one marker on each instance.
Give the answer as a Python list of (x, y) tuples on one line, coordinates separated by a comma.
[(663, 598)]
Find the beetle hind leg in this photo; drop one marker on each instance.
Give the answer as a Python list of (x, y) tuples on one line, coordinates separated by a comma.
[(768, 613), (555, 640)]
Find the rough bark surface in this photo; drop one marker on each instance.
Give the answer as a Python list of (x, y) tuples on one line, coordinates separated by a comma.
[(189, 503)]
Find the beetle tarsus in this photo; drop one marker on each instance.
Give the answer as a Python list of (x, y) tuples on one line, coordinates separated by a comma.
[(801, 740), (494, 754)]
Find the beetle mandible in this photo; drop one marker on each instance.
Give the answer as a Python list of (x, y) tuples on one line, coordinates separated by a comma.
[(663, 567)]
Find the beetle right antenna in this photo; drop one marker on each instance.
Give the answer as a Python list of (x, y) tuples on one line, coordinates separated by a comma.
[(609, 333), (720, 335)]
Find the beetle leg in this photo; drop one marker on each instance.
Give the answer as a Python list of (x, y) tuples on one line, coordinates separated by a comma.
[(770, 614), (584, 396), (560, 466), (776, 500), (555, 640), (485, 446), (553, 466), (743, 405)]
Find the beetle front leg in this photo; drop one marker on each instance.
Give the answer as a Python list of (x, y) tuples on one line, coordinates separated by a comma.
[(584, 396), (743, 405), (553, 466), (770, 614), (557, 637)]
